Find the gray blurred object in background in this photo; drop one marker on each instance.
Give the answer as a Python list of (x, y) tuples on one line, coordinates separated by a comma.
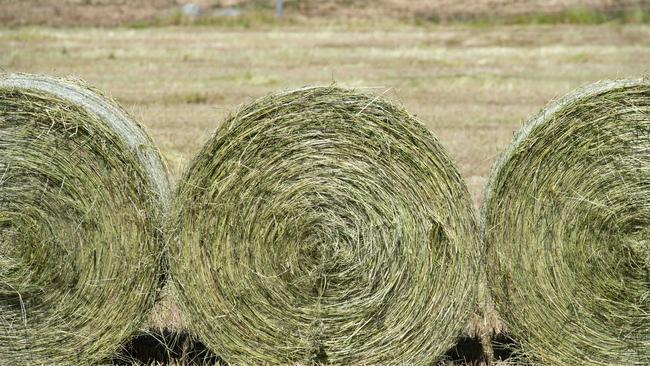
[(192, 10), (279, 8)]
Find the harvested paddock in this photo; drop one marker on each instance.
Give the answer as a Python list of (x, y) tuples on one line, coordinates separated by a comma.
[(82, 197)]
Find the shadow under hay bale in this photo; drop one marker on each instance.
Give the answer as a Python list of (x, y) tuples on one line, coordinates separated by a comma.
[(162, 347), (504, 347), (467, 351), (171, 347)]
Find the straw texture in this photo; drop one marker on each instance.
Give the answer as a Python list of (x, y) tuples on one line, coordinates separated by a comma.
[(566, 222), (82, 198), (324, 225)]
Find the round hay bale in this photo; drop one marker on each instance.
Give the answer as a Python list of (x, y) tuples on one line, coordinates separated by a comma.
[(83, 191), (324, 225), (566, 223)]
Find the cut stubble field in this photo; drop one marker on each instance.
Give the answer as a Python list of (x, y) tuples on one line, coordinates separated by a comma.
[(472, 86)]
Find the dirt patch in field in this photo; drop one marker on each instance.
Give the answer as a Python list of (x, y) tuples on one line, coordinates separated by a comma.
[(123, 12), (451, 9), (80, 12)]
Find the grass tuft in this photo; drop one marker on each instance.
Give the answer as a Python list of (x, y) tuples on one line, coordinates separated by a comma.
[(575, 16)]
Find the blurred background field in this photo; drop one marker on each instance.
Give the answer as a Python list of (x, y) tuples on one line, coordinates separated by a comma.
[(473, 71), (253, 12), (473, 86)]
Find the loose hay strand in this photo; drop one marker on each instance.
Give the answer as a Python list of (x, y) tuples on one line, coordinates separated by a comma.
[(566, 221), (324, 225), (83, 194)]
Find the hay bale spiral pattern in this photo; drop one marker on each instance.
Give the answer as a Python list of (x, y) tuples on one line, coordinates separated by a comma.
[(325, 225), (82, 197), (566, 223)]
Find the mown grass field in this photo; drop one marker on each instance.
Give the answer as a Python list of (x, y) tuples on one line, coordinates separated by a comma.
[(471, 85)]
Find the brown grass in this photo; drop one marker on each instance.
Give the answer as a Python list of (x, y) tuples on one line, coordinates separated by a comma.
[(123, 12)]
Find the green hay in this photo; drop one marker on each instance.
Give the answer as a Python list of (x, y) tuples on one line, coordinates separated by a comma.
[(324, 225), (566, 223), (82, 193)]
